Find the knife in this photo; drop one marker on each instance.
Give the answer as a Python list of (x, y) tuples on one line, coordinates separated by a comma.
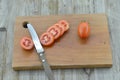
[(40, 51)]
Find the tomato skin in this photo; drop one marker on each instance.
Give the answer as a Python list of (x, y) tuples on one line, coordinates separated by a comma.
[(54, 31), (65, 24), (46, 39), (84, 30), (26, 43), (61, 27)]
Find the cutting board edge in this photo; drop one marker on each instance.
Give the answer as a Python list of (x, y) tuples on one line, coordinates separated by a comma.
[(20, 17), (62, 67)]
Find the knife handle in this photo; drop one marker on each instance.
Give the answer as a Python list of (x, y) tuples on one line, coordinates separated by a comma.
[(46, 66)]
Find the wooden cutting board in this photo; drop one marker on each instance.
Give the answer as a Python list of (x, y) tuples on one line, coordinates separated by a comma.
[(69, 51)]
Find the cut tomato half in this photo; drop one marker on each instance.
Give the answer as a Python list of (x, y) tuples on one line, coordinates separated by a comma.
[(61, 27), (65, 24), (26, 43), (54, 31), (46, 39)]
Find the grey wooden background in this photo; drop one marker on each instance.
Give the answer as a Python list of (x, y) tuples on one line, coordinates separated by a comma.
[(9, 9)]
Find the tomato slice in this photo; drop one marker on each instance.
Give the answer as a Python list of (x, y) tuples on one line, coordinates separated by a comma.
[(54, 31), (46, 39), (65, 24), (83, 30), (61, 27), (26, 43)]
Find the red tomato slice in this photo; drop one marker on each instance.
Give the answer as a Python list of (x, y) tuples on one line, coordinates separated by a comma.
[(83, 30), (65, 24), (26, 43), (54, 31), (61, 27), (46, 39)]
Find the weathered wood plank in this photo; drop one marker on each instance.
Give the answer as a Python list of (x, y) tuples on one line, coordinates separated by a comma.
[(112, 11), (7, 24), (3, 13), (2, 55)]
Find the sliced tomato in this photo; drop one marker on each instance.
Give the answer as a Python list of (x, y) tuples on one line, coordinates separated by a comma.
[(65, 24), (83, 30), (61, 27), (46, 39), (26, 43), (54, 31)]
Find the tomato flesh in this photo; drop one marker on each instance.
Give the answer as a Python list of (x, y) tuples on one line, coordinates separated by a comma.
[(26, 43), (46, 39), (65, 24), (83, 30), (54, 31), (61, 27)]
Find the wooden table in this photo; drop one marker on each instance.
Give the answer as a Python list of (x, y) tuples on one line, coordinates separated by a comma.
[(9, 9)]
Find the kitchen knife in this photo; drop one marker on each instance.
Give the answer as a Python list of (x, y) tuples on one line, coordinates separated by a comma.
[(40, 51)]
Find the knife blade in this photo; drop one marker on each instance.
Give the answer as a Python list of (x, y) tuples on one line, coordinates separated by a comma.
[(40, 51)]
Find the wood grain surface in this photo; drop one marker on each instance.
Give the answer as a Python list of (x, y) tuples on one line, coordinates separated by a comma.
[(9, 9), (69, 51)]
